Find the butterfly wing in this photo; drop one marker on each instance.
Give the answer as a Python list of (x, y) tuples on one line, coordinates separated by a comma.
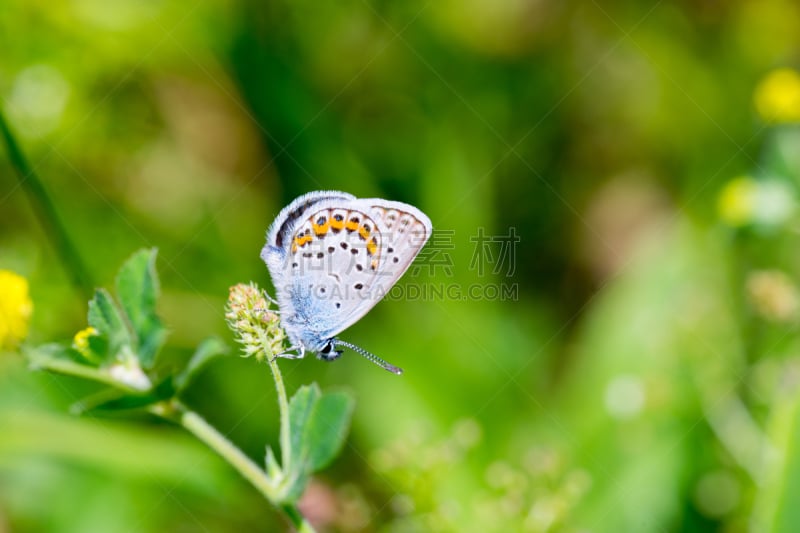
[(390, 234), (405, 230), (333, 257), (276, 251), (287, 219)]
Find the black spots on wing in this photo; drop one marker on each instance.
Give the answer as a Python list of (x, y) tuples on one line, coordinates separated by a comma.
[(320, 255), (395, 259), (354, 251), (321, 220), (358, 286), (359, 267), (343, 245), (331, 249), (338, 305)]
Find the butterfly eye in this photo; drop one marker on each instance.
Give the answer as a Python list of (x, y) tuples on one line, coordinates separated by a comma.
[(328, 353)]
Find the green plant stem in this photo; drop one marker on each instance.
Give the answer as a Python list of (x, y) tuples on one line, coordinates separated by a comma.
[(283, 407), (46, 212), (70, 368), (298, 521), (207, 433), (204, 431)]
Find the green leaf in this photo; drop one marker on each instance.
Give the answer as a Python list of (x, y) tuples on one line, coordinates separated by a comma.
[(39, 357), (328, 428), (301, 409), (137, 288), (207, 350), (108, 400), (272, 467), (96, 401), (318, 427), (62, 360), (98, 348), (106, 318)]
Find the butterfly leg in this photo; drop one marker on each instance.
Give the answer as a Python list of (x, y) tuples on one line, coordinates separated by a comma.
[(300, 352), (270, 298), (267, 310)]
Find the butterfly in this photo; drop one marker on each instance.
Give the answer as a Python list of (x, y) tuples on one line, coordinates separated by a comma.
[(332, 257)]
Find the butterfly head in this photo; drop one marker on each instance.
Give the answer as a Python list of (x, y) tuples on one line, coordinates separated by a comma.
[(329, 351)]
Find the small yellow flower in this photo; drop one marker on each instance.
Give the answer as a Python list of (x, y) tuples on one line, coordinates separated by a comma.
[(81, 341), (15, 309), (777, 97), (737, 201), (765, 202)]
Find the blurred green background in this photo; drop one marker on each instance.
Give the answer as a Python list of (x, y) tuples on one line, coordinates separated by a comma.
[(645, 375)]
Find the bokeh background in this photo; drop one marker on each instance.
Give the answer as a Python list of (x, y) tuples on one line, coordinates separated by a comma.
[(643, 377)]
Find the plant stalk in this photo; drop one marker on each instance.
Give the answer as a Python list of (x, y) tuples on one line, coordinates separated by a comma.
[(46, 212), (208, 434), (283, 408)]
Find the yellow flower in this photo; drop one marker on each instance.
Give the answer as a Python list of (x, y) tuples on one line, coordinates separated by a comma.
[(766, 202), (737, 201), (15, 309), (81, 341), (777, 97)]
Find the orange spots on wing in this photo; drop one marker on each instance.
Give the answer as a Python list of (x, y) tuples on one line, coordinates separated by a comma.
[(372, 246), (300, 240), (364, 231), (337, 223), (352, 225), (321, 229)]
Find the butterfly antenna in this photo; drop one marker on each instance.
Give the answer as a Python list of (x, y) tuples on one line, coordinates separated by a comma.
[(370, 356)]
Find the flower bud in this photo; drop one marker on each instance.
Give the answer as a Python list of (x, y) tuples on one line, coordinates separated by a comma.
[(257, 328)]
